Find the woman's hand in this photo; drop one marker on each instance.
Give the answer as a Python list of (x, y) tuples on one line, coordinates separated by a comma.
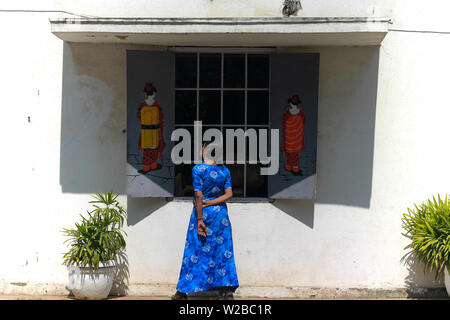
[(201, 228), (206, 203), (228, 194)]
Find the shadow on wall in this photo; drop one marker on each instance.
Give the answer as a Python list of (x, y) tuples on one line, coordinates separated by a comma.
[(143, 207), (93, 119), (121, 276), (93, 140), (348, 82), (302, 210)]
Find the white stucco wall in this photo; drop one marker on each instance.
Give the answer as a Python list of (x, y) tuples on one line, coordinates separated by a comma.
[(383, 132)]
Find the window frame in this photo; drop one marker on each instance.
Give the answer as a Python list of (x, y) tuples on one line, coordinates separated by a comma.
[(222, 51)]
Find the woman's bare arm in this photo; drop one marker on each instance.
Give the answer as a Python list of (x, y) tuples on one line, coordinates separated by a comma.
[(201, 228), (223, 198)]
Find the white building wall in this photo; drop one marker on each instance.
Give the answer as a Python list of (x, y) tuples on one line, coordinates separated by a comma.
[(382, 145)]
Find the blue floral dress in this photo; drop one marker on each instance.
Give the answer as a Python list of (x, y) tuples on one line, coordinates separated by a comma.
[(208, 262)]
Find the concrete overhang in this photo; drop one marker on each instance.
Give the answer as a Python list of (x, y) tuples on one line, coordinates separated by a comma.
[(261, 31)]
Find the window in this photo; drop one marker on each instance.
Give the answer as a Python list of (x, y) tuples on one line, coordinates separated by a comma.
[(223, 90)]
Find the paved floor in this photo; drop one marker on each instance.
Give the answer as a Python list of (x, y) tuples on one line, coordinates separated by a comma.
[(28, 297)]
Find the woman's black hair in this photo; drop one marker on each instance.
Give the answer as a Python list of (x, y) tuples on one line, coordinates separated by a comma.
[(207, 143), (290, 98), (149, 88)]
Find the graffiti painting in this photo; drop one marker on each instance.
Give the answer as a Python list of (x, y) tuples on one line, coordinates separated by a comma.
[(292, 137), (151, 139)]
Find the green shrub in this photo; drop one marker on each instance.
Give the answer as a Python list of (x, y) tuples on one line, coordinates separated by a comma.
[(98, 238), (428, 226)]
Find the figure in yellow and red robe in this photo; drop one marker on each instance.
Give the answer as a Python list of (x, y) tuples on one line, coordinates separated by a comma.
[(292, 138), (151, 140)]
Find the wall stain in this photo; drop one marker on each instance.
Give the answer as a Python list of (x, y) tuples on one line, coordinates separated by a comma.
[(91, 108), (20, 284)]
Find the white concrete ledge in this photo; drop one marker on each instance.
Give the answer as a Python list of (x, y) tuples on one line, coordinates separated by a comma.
[(270, 31), (274, 292)]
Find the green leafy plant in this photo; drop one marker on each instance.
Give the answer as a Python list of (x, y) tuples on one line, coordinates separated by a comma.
[(428, 226), (98, 238)]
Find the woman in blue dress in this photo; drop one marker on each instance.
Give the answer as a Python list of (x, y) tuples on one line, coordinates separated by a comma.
[(208, 260)]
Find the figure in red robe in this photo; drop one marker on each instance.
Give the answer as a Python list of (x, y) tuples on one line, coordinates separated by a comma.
[(151, 139), (292, 138)]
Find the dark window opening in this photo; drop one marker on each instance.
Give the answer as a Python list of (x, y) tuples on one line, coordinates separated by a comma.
[(223, 90)]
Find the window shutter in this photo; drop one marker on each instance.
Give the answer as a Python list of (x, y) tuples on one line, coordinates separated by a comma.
[(157, 68), (294, 74)]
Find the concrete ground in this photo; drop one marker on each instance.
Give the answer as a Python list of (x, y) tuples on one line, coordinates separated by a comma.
[(49, 297)]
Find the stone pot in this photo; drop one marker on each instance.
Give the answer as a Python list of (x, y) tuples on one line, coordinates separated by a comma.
[(91, 283), (447, 280)]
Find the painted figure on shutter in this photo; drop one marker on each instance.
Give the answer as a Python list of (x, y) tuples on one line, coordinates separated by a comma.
[(151, 140), (292, 138)]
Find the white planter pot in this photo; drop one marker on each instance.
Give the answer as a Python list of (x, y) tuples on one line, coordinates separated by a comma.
[(89, 283), (447, 281)]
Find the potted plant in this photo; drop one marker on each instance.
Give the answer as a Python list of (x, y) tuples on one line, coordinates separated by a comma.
[(428, 227), (94, 246)]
